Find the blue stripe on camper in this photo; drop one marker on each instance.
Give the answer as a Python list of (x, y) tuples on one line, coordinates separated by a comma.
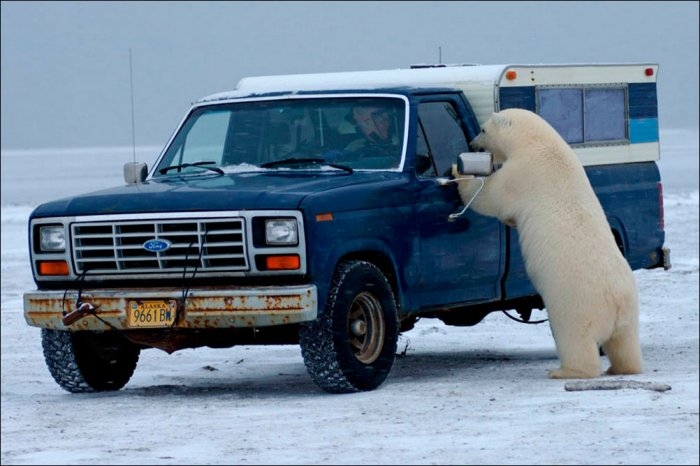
[(642, 101), (517, 97), (643, 112), (644, 130)]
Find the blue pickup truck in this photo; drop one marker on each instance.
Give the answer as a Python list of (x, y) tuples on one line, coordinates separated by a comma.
[(317, 210)]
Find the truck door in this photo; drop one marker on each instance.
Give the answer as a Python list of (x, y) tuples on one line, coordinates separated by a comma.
[(461, 260)]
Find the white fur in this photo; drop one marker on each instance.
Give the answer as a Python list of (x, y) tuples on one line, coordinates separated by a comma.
[(569, 251)]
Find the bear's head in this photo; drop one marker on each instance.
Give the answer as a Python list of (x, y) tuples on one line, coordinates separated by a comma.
[(509, 129)]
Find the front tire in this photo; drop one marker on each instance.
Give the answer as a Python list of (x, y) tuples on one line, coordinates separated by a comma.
[(83, 362), (351, 346)]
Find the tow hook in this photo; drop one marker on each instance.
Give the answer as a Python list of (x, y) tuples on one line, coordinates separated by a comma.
[(82, 309)]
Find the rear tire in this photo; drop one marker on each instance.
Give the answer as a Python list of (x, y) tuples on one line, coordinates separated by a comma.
[(351, 346), (83, 362)]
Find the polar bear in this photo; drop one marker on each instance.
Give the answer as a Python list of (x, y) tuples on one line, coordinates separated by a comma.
[(569, 250)]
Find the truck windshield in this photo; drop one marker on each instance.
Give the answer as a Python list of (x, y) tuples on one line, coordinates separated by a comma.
[(356, 133)]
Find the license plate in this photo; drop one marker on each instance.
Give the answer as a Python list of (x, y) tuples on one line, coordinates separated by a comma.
[(151, 313)]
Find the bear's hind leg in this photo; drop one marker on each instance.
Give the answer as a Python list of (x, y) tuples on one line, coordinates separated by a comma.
[(624, 352)]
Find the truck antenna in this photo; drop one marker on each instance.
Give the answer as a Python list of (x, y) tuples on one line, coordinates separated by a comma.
[(439, 55), (133, 126)]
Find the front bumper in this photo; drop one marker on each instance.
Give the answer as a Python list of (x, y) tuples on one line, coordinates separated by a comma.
[(204, 308)]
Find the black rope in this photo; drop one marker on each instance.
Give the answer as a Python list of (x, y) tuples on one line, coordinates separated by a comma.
[(79, 303), (522, 321), (94, 314), (78, 280), (185, 285)]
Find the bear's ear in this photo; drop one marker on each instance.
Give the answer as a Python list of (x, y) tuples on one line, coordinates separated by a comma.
[(500, 120)]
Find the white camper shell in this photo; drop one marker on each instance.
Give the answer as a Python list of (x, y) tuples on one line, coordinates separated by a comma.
[(618, 101)]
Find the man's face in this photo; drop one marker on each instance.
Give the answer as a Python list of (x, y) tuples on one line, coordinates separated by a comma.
[(373, 120)]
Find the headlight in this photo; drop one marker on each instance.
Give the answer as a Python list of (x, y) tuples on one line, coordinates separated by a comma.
[(281, 231), (52, 238)]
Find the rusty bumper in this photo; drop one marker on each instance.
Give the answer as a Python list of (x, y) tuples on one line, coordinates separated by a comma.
[(202, 308)]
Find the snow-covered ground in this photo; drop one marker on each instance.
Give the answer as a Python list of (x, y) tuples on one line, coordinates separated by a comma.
[(456, 395)]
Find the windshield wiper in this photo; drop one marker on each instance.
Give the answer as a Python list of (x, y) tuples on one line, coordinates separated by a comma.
[(202, 164), (304, 161)]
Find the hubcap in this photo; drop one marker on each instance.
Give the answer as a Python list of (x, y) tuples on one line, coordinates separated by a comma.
[(366, 327)]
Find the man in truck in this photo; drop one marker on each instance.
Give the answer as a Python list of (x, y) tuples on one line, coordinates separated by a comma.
[(375, 126)]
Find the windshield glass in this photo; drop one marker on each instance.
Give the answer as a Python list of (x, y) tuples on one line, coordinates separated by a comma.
[(360, 133)]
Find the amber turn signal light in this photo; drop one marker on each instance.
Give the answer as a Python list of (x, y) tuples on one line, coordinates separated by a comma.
[(290, 262), (53, 268)]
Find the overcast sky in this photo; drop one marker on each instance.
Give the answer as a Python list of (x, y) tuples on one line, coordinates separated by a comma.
[(65, 65)]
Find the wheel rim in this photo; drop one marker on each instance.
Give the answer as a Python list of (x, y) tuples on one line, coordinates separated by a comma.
[(366, 327)]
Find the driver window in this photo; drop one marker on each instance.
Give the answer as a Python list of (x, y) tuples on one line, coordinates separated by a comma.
[(424, 160), (444, 135)]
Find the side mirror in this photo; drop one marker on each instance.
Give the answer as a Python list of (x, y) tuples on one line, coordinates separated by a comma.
[(135, 172), (475, 163)]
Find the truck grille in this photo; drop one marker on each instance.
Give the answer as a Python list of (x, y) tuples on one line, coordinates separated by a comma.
[(117, 247)]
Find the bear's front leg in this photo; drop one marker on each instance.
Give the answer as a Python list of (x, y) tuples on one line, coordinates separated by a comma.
[(578, 352)]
